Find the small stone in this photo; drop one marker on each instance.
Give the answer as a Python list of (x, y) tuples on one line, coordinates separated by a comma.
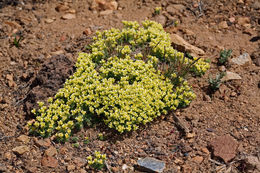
[(205, 150), (207, 98), (242, 60), (87, 31), (8, 156), (49, 162), (100, 5), (222, 68), (198, 159), (256, 5), (61, 7), (150, 165), (23, 138), (184, 46), (51, 151), (175, 9), (188, 32), (231, 76), (223, 25), (10, 79), (232, 19), (106, 12), (70, 167), (68, 16), (79, 162), (160, 19), (82, 171), (63, 150), (190, 135), (49, 21), (57, 52), (21, 149), (224, 147), (252, 162), (72, 11), (43, 142), (240, 1), (243, 20), (124, 167)]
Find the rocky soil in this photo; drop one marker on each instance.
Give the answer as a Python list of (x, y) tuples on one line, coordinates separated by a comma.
[(218, 132)]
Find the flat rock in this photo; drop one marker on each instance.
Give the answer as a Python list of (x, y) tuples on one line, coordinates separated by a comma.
[(252, 162), (242, 60), (106, 12), (104, 5), (160, 19), (49, 161), (43, 142), (61, 7), (224, 147), (174, 9), (243, 20), (51, 151), (149, 164), (49, 21), (184, 46), (231, 76), (68, 16), (24, 139), (223, 25), (21, 149), (198, 159)]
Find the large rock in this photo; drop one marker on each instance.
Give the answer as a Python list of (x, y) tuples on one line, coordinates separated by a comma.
[(23, 138), (224, 147), (242, 60), (231, 76), (180, 44), (149, 164)]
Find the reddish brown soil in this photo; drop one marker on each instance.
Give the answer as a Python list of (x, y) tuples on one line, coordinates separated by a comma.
[(31, 73)]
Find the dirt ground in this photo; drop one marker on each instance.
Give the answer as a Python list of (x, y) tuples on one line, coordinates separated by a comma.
[(53, 32)]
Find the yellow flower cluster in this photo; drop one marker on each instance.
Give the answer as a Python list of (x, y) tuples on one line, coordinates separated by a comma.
[(119, 83), (98, 161)]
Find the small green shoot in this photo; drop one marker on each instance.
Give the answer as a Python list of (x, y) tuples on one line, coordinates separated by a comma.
[(101, 137), (157, 10), (76, 145), (74, 139), (224, 55), (214, 83), (16, 41)]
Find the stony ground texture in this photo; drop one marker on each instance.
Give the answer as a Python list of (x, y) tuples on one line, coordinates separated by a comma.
[(218, 132)]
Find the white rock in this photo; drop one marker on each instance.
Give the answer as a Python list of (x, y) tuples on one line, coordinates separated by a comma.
[(68, 16), (231, 76), (242, 60)]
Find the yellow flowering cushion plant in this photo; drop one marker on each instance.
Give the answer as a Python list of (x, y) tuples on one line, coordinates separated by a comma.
[(130, 77)]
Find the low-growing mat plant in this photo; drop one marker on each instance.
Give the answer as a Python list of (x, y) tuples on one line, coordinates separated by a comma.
[(215, 83), (224, 56), (130, 77), (97, 161)]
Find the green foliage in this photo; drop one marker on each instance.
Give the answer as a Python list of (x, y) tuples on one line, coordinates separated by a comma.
[(224, 55), (214, 83), (157, 10), (130, 77), (98, 161), (101, 137), (16, 42)]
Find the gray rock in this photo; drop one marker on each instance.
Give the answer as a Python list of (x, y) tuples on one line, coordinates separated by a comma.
[(231, 76), (152, 165), (242, 60)]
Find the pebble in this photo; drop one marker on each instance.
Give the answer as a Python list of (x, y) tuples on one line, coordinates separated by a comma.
[(242, 60), (106, 12), (205, 150), (224, 147), (160, 19), (10, 79), (68, 16), (49, 161), (43, 142), (190, 135), (150, 164), (231, 76), (51, 151), (61, 7), (21, 149), (243, 20), (87, 31), (223, 25), (57, 52), (232, 19), (70, 168), (8, 156), (198, 159), (49, 21), (24, 139)]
